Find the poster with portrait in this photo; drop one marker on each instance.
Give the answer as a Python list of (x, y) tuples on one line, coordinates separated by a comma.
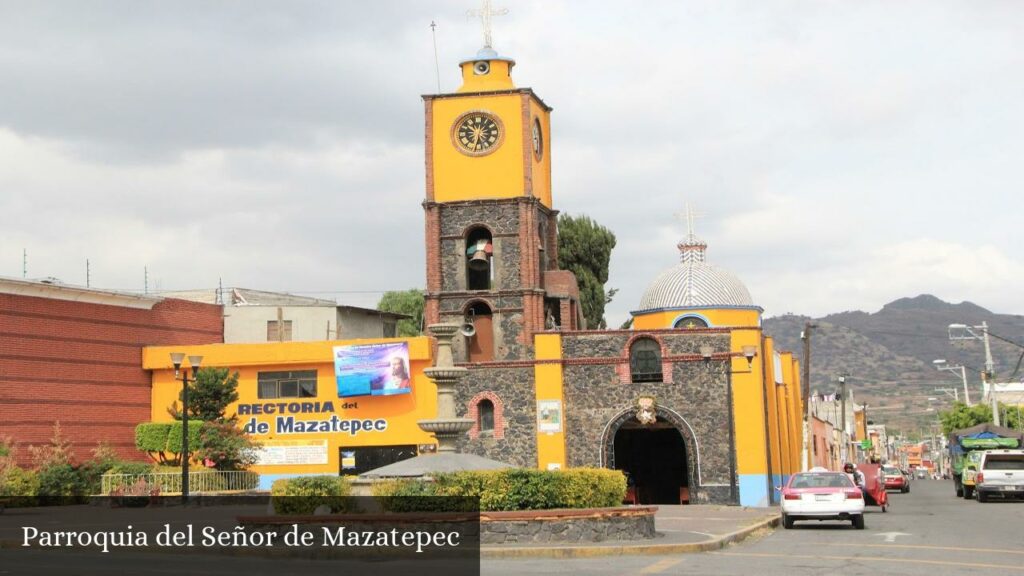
[(372, 369), (549, 416)]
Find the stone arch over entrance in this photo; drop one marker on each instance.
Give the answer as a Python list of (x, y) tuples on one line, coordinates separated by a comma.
[(626, 421)]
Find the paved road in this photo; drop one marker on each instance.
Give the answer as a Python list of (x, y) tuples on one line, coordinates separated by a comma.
[(926, 532)]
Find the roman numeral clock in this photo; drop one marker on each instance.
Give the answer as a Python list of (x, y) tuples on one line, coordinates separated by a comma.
[(477, 133)]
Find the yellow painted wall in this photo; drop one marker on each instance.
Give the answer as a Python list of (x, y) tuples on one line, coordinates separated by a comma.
[(401, 411), (717, 318), (748, 405), (499, 78), (548, 378), (541, 169), (775, 432), (460, 177)]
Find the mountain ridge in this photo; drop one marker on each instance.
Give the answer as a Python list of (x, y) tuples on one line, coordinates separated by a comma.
[(889, 354)]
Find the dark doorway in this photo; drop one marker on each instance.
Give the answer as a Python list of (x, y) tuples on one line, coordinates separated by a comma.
[(654, 459)]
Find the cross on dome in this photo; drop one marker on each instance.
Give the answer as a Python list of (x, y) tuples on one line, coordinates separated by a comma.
[(692, 248), (484, 14)]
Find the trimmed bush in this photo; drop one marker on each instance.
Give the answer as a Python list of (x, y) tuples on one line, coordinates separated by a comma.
[(174, 436), (516, 488), (152, 436), (304, 494), (19, 482)]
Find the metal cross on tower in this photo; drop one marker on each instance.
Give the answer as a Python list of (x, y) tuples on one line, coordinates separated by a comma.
[(484, 14)]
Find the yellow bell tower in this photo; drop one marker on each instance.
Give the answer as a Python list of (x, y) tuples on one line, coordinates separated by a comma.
[(491, 232), (489, 139)]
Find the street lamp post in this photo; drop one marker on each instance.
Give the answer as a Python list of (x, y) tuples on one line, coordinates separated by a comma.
[(940, 364), (194, 361)]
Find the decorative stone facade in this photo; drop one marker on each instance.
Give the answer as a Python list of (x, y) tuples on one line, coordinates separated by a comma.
[(515, 388), (695, 400)]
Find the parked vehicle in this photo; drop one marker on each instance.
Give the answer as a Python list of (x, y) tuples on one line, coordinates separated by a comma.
[(981, 437), (971, 464), (894, 479), (1000, 475), (821, 494)]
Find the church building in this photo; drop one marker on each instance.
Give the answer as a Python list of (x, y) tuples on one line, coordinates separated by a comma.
[(693, 403)]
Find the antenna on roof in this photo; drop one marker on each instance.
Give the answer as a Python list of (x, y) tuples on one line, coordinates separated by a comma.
[(24, 262), (87, 280), (437, 67), (219, 299), (145, 281)]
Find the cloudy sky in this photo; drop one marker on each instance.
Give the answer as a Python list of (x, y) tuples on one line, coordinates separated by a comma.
[(841, 154)]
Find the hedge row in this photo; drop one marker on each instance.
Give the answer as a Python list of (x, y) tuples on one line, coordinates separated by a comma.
[(304, 494), (166, 436), (513, 489)]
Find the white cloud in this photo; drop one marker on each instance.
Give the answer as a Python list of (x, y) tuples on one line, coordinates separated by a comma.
[(843, 154)]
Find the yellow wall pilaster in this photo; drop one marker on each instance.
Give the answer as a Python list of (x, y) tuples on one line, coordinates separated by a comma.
[(548, 379)]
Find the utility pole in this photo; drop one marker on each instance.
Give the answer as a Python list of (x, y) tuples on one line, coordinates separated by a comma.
[(989, 368), (843, 450), (806, 337)]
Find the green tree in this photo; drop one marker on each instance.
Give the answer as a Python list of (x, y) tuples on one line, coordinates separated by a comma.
[(964, 416), (405, 302), (585, 249), (209, 396)]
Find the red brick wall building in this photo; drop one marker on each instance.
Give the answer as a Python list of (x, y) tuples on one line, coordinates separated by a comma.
[(74, 355)]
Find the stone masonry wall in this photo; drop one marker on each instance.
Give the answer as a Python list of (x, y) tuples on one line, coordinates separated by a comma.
[(595, 395), (515, 388)]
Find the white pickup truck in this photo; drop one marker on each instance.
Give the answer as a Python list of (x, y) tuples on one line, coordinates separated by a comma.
[(1000, 474)]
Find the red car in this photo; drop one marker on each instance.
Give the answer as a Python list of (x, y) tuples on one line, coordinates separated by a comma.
[(894, 479)]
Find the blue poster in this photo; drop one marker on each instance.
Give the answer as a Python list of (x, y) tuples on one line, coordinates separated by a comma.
[(372, 369)]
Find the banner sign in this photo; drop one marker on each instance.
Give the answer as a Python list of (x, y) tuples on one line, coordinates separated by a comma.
[(288, 452), (372, 369)]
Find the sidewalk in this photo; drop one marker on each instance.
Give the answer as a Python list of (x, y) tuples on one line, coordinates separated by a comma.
[(681, 529)]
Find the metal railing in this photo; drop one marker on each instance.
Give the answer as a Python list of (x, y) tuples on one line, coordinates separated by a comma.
[(170, 482)]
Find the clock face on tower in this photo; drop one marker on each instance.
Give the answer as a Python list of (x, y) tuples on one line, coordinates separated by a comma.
[(477, 133), (538, 139)]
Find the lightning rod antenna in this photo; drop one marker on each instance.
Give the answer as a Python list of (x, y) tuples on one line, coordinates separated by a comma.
[(437, 67)]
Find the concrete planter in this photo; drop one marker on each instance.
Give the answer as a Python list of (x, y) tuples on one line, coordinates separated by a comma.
[(567, 526)]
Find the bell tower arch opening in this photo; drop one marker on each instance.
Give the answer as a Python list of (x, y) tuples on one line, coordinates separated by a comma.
[(479, 260), (479, 333)]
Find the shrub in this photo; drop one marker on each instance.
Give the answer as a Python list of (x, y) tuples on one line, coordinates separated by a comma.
[(59, 481), (516, 488), (174, 436), (19, 482), (134, 468), (227, 446), (151, 438), (304, 494), (55, 452)]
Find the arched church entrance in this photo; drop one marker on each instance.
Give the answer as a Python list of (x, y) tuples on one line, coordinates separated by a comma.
[(654, 458)]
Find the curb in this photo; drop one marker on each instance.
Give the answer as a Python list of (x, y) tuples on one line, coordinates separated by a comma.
[(627, 549)]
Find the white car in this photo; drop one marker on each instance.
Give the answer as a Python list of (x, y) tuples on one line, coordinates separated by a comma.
[(821, 494), (1000, 474)]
